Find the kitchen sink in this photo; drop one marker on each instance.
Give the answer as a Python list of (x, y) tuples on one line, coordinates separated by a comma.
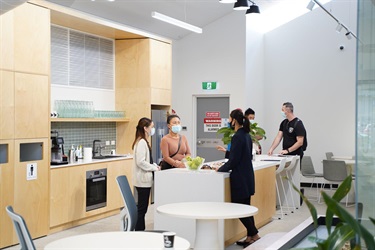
[(106, 156)]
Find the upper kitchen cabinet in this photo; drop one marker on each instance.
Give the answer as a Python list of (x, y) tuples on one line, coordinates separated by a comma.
[(31, 106), (32, 39), (161, 72), (144, 65), (6, 104), (6, 41)]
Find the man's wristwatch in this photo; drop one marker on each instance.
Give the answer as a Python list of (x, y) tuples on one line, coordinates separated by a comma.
[(287, 150)]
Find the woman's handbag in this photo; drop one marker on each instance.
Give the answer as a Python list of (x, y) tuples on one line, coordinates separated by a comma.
[(165, 165)]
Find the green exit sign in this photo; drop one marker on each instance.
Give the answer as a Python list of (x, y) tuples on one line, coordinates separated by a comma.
[(209, 85)]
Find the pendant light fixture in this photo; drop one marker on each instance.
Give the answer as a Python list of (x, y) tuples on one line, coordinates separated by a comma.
[(241, 5), (253, 9)]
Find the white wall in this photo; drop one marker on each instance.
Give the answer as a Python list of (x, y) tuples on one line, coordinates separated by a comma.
[(304, 65), (298, 62), (103, 99), (216, 55)]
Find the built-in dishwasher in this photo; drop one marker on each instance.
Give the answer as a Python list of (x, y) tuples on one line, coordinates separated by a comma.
[(96, 189)]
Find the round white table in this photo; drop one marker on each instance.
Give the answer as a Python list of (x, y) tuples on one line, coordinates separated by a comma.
[(116, 240), (207, 215)]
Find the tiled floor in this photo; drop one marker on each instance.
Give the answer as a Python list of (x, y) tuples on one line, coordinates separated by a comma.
[(112, 224)]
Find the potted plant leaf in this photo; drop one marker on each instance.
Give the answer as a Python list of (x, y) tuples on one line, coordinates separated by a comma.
[(348, 232), (257, 133)]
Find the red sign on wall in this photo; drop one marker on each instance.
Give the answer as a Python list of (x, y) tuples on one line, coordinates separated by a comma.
[(211, 114)]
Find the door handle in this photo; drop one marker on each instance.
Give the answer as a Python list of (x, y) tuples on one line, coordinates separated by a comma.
[(200, 142)]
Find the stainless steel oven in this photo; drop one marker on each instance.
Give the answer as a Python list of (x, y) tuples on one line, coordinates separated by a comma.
[(96, 189)]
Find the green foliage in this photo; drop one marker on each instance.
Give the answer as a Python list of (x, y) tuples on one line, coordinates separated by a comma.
[(256, 133), (347, 230)]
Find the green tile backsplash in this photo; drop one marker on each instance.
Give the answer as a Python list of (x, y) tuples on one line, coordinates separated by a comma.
[(83, 133)]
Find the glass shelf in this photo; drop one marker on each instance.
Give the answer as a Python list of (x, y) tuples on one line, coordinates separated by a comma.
[(90, 119)]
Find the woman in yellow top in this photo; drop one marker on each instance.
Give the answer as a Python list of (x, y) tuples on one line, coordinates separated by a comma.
[(174, 146)]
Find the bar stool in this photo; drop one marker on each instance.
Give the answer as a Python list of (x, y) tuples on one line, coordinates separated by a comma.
[(289, 174), (278, 172)]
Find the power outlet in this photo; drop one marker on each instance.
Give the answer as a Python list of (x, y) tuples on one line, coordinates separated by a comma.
[(113, 142), (107, 143)]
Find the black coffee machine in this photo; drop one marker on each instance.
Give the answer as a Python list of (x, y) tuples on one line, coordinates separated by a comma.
[(57, 149)]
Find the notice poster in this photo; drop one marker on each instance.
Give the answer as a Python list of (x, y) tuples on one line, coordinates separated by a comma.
[(212, 121)]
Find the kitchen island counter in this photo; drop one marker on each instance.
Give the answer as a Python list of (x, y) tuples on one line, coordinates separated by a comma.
[(183, 185)]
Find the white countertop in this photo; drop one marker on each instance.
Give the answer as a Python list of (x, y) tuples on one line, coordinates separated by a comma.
[(261, 162), (92, 161)]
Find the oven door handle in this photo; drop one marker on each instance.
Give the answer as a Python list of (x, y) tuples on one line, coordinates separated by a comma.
[(98, 179)]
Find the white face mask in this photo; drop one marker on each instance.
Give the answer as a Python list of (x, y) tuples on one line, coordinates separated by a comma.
[(283, 114), (152, 132), (176, 129)]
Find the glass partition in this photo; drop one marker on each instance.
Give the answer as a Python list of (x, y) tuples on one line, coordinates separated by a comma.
[(365, 167)]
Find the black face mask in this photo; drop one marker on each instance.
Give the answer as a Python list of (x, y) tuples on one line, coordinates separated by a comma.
[(231, 125)]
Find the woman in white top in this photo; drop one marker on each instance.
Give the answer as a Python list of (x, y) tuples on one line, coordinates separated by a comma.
[(143, 166)]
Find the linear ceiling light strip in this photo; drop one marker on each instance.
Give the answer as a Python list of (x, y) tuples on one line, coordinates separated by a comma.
[(176, 22)]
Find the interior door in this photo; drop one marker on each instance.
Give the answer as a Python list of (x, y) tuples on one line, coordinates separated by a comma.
[(212, 114)]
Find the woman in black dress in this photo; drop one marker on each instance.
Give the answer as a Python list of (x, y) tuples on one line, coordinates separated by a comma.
[(242, 173)]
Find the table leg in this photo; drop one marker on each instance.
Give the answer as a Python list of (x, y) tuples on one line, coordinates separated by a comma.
[(206, 235)]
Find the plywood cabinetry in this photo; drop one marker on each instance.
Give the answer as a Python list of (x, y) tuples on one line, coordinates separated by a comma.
[(32, 39), (143, 78), (161, 72), (67, 202), (114, 196), (7, 236), (31, 195), (68, 193), (31, 106), (6, 104), (6, 41)]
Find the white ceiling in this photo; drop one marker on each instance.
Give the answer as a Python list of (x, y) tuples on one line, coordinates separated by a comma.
[(137, 13)]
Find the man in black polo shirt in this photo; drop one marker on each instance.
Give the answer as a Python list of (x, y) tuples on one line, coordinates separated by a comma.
[(293, 134), (291, 131)]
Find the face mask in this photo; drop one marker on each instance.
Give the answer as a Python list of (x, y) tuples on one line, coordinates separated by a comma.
[(230, 125), (283, 114), (152, 132), (176, 129)]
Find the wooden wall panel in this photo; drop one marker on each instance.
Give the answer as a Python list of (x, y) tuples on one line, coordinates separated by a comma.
[(7, 234), (31, 106), (32, 39), (6, 41), (31, 197), (6, 104)]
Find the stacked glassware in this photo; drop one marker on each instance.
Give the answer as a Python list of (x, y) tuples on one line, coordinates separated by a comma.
[(83, 109)]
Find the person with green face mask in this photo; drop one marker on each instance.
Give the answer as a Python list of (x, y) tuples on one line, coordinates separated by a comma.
[(174, 146)]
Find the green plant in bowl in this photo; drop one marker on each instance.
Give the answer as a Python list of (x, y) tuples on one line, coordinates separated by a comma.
[(193, 163)]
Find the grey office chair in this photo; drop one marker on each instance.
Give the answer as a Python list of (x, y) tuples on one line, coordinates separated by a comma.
[(335, 172), (129, 214), (329, 155), (22, 231), (308, 171)]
